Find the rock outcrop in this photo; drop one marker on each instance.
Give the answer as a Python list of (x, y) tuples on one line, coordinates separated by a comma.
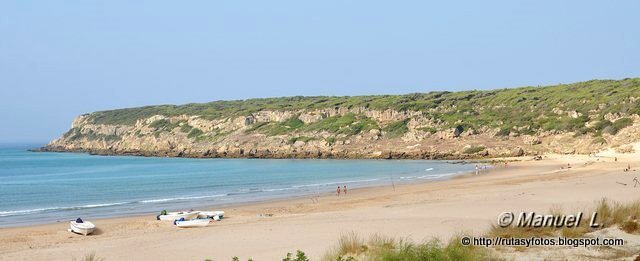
[(192, 136)]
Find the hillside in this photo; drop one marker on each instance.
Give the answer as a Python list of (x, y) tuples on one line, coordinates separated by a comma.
[(568, 118)]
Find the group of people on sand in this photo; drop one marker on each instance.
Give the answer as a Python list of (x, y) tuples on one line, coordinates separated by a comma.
[(344, 190)]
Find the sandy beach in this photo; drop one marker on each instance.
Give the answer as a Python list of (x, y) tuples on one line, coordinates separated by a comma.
[(467, 205)]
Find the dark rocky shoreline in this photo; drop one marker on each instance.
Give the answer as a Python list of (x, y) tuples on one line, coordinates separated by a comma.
[(256, 154)]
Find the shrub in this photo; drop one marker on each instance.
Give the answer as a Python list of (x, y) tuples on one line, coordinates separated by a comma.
[(111, 137), (581, 131), (572, 124), (361, 125), (504, 131), (622, 123), (159, 124), (612, 128), (304, 139), (195, 133), (332, 124), (300, 256), (293, 123), (428, 129), (396, 129), (72, 133), (186, 128), (277, 128), (474, 149)]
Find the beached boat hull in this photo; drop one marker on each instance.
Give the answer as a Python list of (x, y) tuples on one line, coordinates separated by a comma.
[(84, 228), (211, 214), (193, 223), (171, 216)]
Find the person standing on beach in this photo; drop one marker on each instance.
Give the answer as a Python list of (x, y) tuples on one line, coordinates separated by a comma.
[(338, 191), (477, 170), (344, 189)]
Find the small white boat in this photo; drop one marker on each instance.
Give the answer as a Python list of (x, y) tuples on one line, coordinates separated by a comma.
[(193, 223), (211, 214), (81, 227), (171, 216)]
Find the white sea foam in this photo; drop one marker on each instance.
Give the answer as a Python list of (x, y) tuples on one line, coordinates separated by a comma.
[(437, 176), (23, 212), (39, 210), (181, 198), (430, 176), (335, 183), (20, 212), (278, 189)]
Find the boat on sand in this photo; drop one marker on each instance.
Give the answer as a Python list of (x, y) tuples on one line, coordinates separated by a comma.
[(82, 227), (171, 216), (211, 214), (192, 223)]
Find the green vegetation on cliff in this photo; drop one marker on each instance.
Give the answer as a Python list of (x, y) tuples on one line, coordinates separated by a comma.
[(564, 107), (349, 124), (396, 129), (277, 128), (76, 134)]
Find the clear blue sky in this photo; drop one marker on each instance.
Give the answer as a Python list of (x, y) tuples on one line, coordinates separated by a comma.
[(59, 59)]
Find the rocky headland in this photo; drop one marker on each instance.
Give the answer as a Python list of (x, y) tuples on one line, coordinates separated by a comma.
[(574, 118)]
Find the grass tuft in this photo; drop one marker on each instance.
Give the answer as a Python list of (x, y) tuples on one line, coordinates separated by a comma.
[(352, 247), (90, 257), (351, 243)]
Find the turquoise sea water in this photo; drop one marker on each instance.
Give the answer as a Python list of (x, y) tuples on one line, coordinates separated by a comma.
[(49, 187)]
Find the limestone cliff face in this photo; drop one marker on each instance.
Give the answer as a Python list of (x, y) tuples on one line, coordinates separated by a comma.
[(420, 137)]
